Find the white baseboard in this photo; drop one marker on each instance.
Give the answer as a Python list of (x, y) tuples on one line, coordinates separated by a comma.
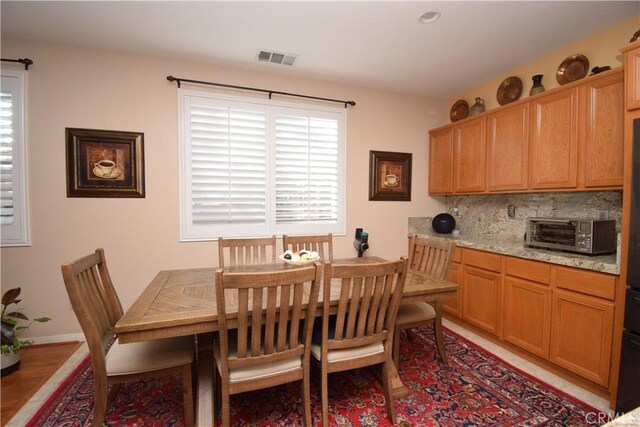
[(57, 338)]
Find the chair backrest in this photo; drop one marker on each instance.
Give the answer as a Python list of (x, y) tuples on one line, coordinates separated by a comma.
[(260, 250), (430, 256), (270, 307), (369, 296), (95, 303), (322, 244)]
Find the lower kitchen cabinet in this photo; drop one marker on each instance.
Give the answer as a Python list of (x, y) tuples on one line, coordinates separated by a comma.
[(481, 298), (527, 315), (564, 315), (581, 332)]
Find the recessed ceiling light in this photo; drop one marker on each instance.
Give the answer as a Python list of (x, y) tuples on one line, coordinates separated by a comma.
[(430, 17)]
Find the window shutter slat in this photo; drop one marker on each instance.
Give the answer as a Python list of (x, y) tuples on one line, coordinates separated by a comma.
[(6, 159)]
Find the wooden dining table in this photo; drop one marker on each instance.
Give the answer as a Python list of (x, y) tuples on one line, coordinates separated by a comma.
[(182, 303)]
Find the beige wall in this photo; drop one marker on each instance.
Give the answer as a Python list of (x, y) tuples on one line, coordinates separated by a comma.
[(72, 87), (600, 48)]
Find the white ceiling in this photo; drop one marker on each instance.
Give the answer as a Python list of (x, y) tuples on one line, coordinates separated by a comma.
[(376, 44)]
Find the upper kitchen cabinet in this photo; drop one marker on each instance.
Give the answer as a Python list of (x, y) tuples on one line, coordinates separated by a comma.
[(554, 140), (441, 161), (566, 139), (508, 149), (632, 67), (601, 131), (469, 151)]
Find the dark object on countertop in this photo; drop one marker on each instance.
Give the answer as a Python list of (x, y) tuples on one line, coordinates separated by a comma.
[(443, 223), (635, 36), (596, 70)]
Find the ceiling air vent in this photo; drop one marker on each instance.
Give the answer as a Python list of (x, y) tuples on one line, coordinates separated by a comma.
[(276, 57)]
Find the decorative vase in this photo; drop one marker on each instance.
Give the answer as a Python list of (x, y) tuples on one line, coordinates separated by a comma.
[(537, 85), (477, 108), (9, 362)]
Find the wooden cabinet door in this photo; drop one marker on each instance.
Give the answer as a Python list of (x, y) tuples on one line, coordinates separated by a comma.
[(508, 149), (527, 315), (481, 298), (601, 131), (632, 69), (581, 332), (469, 154), (452, 305), (554, 140), (441, 161)]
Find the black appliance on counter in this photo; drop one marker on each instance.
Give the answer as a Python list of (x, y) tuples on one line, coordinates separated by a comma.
[(629, 379)]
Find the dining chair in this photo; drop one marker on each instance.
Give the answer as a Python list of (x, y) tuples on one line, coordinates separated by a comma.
[(323, 244), (269, 344), (261, 250), (433, 258), (97, 307), (361, 332)]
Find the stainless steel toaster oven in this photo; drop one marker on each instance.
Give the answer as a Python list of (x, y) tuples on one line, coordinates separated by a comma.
[(585, 236)]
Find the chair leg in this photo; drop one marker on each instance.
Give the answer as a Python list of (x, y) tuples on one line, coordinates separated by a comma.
[(100, 408), (396, 347), (388, 393), (187, 391), (437, 328), (410, 335), (226, 405), (325, 396), (305, 394), (113, 393)]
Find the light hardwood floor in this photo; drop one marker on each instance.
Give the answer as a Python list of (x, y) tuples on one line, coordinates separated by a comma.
[(37, 364)]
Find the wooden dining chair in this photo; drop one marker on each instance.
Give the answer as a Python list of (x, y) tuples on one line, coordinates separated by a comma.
[(361, 332), (271, 343), (323, 244), (433, 258), (97, 307), (261, 250)]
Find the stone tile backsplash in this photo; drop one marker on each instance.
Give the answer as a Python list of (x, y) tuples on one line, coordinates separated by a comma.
[(486, 215)]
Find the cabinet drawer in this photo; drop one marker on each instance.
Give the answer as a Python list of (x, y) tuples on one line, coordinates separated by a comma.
[(586, 282), (530, 270), (483, 260)]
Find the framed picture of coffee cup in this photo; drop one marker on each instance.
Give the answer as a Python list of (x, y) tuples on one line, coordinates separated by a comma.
[(389, 176), (104, 163)]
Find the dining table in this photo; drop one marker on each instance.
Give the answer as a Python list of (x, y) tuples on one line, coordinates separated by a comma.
[(183, 303)]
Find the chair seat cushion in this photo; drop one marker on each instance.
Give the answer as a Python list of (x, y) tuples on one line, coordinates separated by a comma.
[(259, 371), (148, 356), (418, 312), (348, 353)]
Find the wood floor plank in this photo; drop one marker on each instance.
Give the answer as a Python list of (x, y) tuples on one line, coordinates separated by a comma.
[(37, 364)]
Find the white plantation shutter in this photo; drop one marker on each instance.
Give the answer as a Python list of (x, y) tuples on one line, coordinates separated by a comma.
[(306, 169), (13, 206), (257, 169)]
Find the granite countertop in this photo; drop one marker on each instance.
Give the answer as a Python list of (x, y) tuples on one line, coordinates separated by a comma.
[(602, 263)]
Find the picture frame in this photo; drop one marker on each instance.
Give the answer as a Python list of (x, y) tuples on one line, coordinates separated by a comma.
[(104, 163), (390, 176)]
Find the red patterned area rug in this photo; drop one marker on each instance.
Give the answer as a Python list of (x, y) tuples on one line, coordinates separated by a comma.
[(474, 389)]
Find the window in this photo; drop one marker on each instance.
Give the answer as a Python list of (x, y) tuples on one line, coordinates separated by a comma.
[(13, 198), (256, 168)]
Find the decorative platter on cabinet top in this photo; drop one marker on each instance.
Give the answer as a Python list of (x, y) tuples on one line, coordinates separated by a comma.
[(459, 110), (573, 68), (509, 90)]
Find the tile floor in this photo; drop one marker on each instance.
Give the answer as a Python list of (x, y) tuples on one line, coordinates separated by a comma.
[(598, 402)]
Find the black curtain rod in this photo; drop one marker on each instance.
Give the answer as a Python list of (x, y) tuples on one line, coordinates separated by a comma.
[(270, 92), (25, 61)]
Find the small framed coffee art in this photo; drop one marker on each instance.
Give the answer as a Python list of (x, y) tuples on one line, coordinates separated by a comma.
[(104, 163), (389, 176)]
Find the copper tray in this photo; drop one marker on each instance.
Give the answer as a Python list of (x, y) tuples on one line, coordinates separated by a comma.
[(573, 68), (459, 111), (509, 90)]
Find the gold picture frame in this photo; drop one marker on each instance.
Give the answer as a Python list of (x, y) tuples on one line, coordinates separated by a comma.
[(104, 163), (390, 176)]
